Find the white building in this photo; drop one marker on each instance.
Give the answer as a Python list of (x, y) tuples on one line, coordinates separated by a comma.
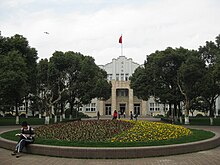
[(122, 98)]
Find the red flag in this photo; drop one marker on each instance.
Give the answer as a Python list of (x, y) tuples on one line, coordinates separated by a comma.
[(120, 40)]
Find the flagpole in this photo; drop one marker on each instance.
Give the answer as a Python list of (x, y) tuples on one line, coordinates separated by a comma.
[(120, 41), (121, 49)]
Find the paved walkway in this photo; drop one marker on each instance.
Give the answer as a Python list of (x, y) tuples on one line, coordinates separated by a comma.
[(210, 157)]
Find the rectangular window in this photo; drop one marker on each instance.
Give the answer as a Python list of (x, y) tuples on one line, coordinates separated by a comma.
[(122, 92), (126, 77), (117, 77), (122, 77), (137, 108), (91, 107), (108, 109), (87, 107), (157, 107), (109, 77), (151, 106)]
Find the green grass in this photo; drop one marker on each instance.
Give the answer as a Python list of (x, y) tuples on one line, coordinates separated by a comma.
[(196, 136), (6, 121), (204, 121), (201, 121)]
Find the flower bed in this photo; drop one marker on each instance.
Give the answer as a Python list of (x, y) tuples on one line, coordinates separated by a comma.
[(144, 131), (112, 131), (87, 131)]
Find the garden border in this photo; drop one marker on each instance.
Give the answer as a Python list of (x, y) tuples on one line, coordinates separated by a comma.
[(117, 152)]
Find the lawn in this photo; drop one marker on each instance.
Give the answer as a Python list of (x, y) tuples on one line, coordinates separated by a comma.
[(110, 133), (198, 121), (5, 121)]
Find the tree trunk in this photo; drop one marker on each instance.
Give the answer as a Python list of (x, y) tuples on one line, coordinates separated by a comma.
[(211, 120), (187, 112), (62, 111), (211, 115), (47, 117), (61, 118), (17, 120), (17, 115), (71, 111), (70, 117), (47, 120), (55, 119), (26, 108), (181, 120)]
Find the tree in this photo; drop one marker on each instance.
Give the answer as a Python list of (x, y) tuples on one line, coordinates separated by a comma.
[(210, 88), (13, 79), (42, 81), (190, 76), (158, 78), (51, 84), (85, 80), (71, 76), (17, 44)]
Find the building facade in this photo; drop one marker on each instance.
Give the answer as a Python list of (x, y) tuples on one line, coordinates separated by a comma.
[(122, 98)]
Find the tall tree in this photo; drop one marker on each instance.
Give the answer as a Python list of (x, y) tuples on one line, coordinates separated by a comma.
[(13, 79), (158, 78), (190, 76), (210, 88), (8, 45)]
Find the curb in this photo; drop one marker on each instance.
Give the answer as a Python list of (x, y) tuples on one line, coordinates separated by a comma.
[(116, 153)]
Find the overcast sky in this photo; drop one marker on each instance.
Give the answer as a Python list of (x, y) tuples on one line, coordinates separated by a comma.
[(93, 27)]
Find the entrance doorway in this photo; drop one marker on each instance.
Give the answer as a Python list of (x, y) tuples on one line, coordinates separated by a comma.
[(122, 108)]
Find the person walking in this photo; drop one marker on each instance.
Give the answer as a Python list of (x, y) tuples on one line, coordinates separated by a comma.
[(131, 115), (26, 137), (115, 115), (98, 115)]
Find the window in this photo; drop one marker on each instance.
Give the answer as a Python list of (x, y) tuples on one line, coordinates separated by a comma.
[(91, 107), (122, 92), (108, 109), (80, 109), (122, 77), (87, 107), (110, 77), (137, 108), (126, 77), (151, 106), (117, 77), (157, 107)]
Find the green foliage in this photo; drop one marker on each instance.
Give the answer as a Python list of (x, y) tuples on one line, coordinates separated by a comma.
[(17, 70)]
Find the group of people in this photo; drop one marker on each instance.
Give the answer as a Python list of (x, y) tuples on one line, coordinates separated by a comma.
[(115, 115)]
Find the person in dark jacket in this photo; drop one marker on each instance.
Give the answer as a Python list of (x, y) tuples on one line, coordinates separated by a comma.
[(26, 137)]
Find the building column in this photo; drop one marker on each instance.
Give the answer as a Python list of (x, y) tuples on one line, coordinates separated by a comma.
[(113, 96), (131, 101), (143, 107), (101, 107)]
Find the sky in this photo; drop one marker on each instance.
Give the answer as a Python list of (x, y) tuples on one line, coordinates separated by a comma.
[(93, 27)]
